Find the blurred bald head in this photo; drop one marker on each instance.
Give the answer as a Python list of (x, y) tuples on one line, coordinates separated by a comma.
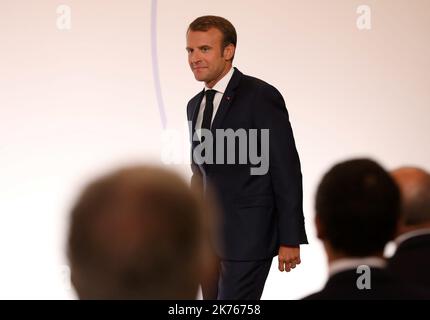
[(135, 234), (414, 184)]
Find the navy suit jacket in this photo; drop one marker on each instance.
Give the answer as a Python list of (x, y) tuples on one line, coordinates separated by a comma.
[(411, 261), (384, 286), (258, 212)]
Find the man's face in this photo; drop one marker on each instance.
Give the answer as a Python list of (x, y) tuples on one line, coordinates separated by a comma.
[(208, 61)]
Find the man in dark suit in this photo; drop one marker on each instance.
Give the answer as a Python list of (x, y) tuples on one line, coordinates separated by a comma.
[(357, 210), (411, 261), (261, 212)]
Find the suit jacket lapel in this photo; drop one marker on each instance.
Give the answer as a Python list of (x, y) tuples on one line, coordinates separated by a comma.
[(195, 113), (196, 110), (223, 108), (226, 100)]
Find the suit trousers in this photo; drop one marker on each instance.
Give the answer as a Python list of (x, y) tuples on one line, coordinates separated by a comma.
[(238, 280)]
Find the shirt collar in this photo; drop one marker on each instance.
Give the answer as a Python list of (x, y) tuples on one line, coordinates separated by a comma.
[(222, 84), (353, 263), (411, 234)]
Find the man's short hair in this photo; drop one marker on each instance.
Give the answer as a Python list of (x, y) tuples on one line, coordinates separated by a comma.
[(358, 206), (205, 23), (135, 234)]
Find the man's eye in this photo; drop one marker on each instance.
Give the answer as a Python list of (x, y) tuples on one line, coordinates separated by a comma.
[(205, 49)]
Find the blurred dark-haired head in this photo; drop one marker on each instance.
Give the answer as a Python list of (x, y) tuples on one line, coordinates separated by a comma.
[(357, 207)]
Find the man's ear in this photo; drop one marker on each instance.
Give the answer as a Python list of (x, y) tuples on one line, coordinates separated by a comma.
[(229, 52), (319, 227)]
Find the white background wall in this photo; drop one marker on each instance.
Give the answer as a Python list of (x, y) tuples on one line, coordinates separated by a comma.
[(75, 103)]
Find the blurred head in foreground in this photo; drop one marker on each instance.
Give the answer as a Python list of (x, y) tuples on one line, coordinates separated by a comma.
[(136, 234), (357, 209)]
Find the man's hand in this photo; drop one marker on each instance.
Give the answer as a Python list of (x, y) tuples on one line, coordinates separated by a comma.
[(288, 257)]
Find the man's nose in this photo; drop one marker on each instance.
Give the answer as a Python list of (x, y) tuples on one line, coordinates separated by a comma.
[(195, 58)]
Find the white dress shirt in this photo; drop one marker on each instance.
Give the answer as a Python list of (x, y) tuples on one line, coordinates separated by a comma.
[(353, 263), (406, 236), (219, 87)]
